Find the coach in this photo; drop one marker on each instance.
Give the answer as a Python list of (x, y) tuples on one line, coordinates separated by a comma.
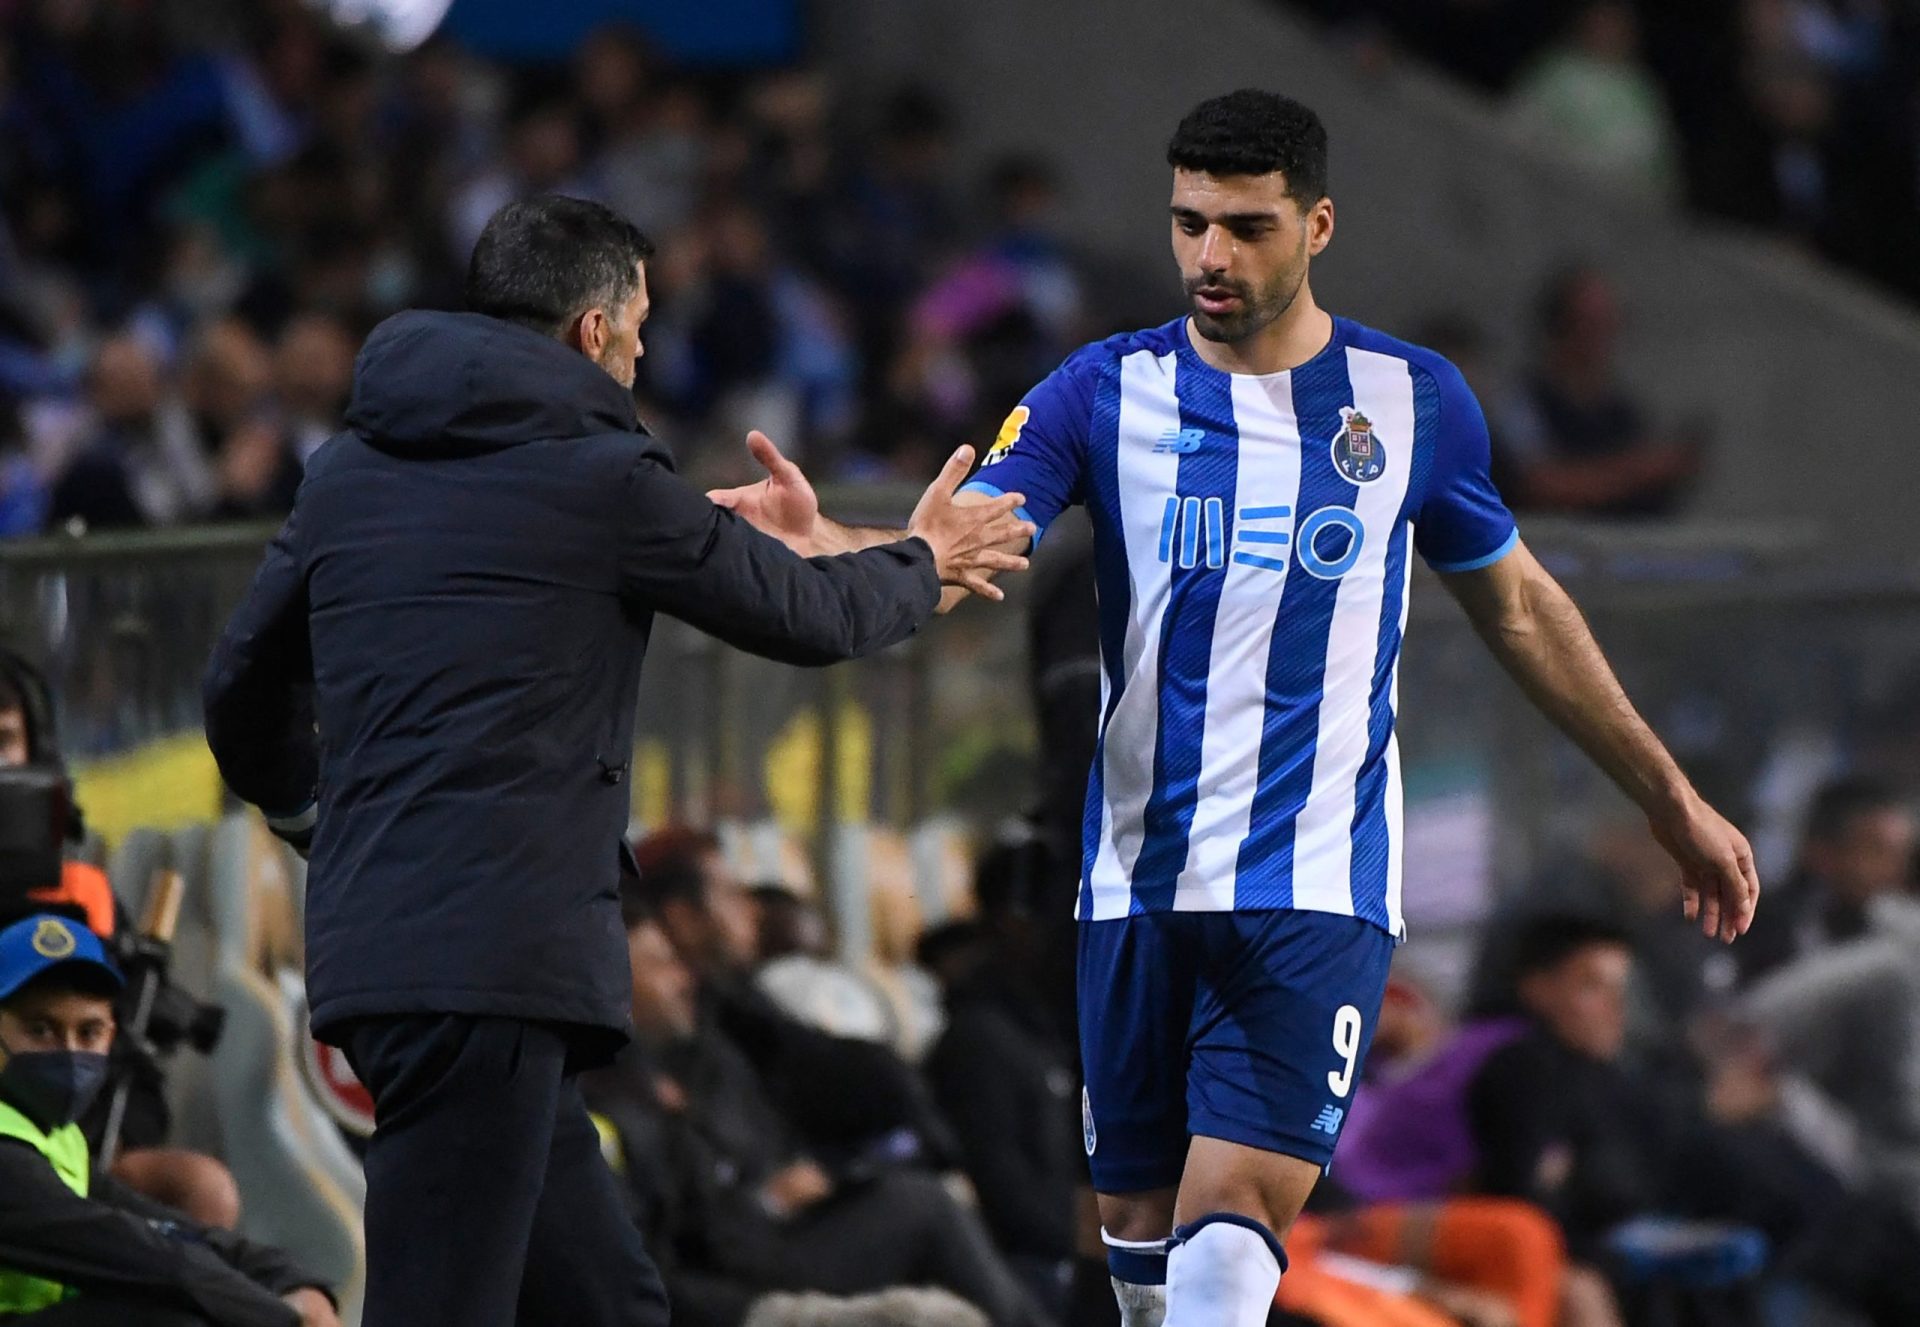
[(434, 675)]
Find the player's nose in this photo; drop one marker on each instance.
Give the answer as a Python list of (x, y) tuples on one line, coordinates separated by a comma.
[(1216, 250)]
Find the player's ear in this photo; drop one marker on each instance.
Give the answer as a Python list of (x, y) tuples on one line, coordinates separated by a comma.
[(1319, 226)]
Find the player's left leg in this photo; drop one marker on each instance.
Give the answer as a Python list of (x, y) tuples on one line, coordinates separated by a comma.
[(1279, 1034)]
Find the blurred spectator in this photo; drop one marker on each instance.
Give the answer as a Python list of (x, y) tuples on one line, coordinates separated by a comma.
[(1575, 440), (1559, 1117), (803, 978), (1854, 878), (1591, 100), (139, 462), (1796, 115), (1005, 1074), (708, 916), (732, 1207), (542, 156)]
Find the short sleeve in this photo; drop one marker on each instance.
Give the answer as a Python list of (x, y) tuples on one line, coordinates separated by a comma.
[(1462, 523), (1042, 448)]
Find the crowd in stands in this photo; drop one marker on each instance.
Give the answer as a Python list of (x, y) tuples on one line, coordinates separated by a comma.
[(180, 305), (1798, 117)]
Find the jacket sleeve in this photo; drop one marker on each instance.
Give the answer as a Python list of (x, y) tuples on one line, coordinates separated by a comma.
[(684, 556), (92, 1244), (265, 1266), (258, 691)]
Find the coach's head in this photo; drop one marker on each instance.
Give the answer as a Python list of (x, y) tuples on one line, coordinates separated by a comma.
[(1250, 208), (569, 269)]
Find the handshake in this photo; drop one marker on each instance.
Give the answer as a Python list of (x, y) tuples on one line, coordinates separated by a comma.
[(973, 536)]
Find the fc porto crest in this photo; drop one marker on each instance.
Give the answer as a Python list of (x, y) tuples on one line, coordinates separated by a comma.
[(53, 939), (1358, 454)]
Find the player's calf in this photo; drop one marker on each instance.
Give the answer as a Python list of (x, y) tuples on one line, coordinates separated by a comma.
[(1223, 1271), (1139, 1272)]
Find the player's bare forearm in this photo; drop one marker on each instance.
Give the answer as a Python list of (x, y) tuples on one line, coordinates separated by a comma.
[(1540, 637), (830, 536)]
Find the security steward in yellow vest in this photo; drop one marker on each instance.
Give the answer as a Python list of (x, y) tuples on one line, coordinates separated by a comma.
[(76, 1248)]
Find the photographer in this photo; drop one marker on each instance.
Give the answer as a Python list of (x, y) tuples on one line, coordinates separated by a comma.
[(77, 1249), (38, 824)]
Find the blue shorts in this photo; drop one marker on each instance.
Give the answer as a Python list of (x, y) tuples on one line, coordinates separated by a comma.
[(1250, 1027)]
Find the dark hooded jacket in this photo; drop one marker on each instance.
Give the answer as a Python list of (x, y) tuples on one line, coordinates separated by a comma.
[(443, 645)]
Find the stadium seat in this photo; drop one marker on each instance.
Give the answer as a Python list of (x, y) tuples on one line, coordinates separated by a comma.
[(302, 1187)]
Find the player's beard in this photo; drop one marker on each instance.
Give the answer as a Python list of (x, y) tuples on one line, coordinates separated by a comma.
[(1258, 308)]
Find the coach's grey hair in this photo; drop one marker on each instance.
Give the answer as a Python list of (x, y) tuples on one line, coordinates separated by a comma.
[(892, 1308)]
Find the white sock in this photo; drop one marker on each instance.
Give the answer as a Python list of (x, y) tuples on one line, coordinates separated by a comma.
[(1139, 1276), (1221, 1273)]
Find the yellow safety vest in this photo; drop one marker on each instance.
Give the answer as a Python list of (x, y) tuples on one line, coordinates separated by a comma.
[(66, 1151)]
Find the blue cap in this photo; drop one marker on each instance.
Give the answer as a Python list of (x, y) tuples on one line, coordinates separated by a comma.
[(40, 944)]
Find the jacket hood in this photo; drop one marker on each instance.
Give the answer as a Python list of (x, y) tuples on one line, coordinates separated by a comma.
[(437, 384)]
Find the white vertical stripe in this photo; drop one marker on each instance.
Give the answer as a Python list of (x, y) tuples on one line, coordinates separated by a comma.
[(1148, 408), (1268, 475), (1396, 799), (1323, 835)]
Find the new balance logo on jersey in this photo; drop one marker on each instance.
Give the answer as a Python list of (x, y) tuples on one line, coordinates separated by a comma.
[(1328, 1121), (1181, 442)]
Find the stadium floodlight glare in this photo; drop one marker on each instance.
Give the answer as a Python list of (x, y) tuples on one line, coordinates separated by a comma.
[(400, 25)]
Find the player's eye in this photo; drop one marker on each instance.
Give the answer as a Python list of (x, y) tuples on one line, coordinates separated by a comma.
[(1256, 231), (1192, 226)]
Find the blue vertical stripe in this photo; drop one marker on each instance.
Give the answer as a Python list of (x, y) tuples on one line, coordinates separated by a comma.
[(1190, 533), (1112, 582), (1297, 660), (1169, 522), (1372, 846), (1216, 533), (1186, 637), (1373, 849)]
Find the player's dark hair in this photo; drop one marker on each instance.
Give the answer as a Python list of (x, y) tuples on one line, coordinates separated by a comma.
[(1839, 803), (1544, 943), (544, 261), (1251, 132)]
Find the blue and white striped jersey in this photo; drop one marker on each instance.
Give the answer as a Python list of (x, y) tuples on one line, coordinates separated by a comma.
[(1251, 539)]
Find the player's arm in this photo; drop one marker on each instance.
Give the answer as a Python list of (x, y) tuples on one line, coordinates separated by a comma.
[(1540, 637)]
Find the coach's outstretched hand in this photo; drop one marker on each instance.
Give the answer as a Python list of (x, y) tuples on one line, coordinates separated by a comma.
[(1716, 868), (970, 540), (783, 504)]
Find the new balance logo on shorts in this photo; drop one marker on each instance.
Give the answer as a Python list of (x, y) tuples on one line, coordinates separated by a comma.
[(1329, 1120)]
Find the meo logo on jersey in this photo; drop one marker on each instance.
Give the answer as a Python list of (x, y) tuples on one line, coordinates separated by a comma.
[(1327, 544), (1009, 434)]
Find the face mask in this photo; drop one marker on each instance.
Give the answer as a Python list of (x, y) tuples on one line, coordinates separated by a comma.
[(53, 1088)]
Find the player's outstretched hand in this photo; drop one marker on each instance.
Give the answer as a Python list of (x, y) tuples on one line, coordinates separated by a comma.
[(974, 539), (783, 504), (1716, 868)]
